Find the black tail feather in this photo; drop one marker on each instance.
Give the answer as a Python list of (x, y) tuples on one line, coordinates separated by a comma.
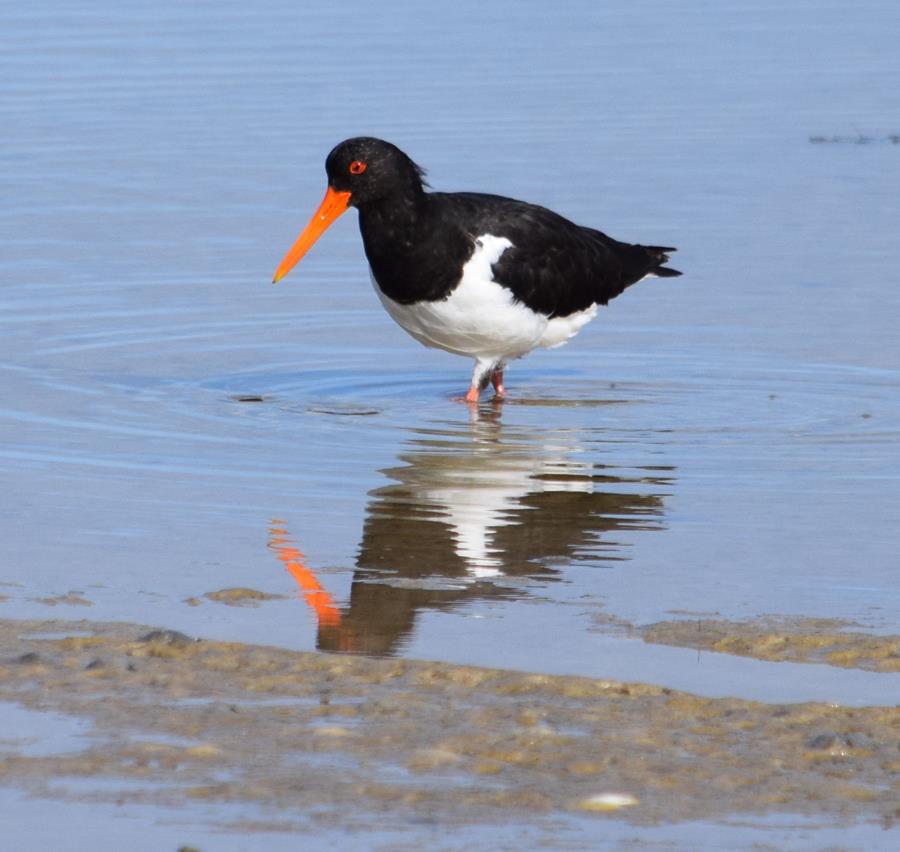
[(666, 272), (662, 256)]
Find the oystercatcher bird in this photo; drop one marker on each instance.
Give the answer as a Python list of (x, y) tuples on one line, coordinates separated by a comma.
[(474, 274)]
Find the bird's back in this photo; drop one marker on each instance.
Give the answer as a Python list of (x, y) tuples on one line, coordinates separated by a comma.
[(553, 265)]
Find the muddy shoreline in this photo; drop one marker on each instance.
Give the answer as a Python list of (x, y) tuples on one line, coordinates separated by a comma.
[(825, 641), (340, 738)]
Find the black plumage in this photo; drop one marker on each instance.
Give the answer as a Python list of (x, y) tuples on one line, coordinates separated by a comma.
[(417, 241), (554, 266)]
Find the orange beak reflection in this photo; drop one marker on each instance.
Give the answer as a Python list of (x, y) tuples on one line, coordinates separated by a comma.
[(333, 204), (320, 602)]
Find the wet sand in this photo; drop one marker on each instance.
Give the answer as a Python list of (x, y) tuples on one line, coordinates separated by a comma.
[(344, 740), (797, 640)]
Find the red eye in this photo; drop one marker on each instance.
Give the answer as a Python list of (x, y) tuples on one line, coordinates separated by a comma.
[(357, 167)]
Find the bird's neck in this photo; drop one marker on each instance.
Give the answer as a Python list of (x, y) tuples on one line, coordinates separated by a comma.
[(394, 222)]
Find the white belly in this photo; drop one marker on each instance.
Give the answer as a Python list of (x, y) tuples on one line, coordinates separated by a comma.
[(479, 318)]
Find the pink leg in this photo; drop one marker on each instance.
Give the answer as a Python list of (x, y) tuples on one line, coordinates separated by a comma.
[(472, 394), (497, 382)]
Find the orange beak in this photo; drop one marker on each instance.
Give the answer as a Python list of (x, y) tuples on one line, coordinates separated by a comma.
[(333, 204)]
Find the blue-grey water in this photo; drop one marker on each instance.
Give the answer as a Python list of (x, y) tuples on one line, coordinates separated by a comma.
[(724, 443)]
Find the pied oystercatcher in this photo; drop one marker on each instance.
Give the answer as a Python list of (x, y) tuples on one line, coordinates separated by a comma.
[(474, 274)]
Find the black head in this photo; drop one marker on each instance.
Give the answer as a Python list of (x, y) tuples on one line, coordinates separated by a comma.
[(360, 171), (371, 170)]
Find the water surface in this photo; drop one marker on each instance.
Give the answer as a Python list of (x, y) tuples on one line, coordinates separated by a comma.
[(725, 443)]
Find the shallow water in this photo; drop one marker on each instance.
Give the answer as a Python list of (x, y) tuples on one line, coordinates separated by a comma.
[(178, 827), (727, 442)]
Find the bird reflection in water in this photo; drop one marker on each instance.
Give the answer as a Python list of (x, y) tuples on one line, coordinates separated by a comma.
[(474, 512)]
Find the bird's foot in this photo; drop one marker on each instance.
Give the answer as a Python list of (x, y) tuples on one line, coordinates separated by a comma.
[(472, 395)]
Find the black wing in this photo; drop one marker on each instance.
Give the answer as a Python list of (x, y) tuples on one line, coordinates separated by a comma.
[(555, 266)]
